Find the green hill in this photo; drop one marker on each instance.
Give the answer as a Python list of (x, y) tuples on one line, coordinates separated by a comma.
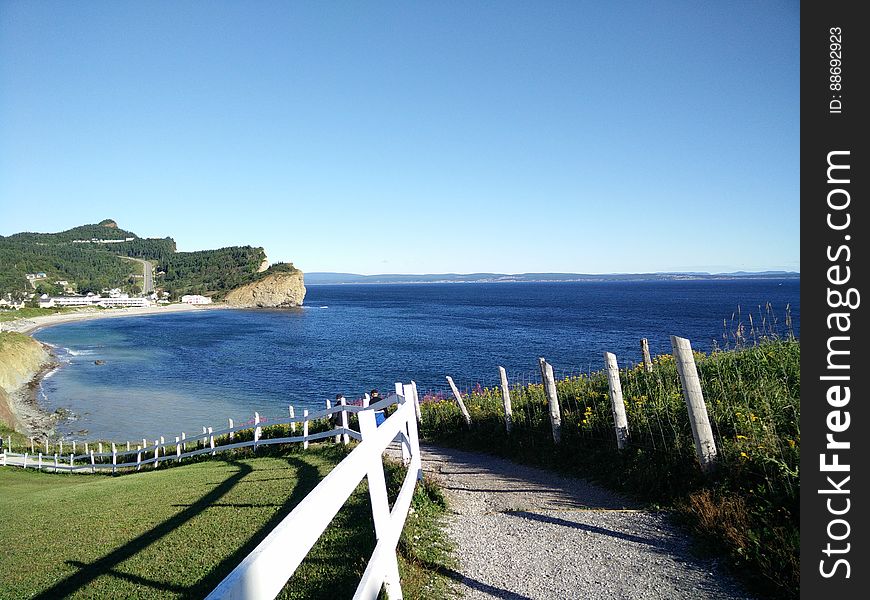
[(88, 257)]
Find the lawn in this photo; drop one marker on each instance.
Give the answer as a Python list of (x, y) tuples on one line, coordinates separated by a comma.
[(176, 532)]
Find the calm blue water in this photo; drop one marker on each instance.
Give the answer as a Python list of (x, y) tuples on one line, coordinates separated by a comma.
[(165, 374)]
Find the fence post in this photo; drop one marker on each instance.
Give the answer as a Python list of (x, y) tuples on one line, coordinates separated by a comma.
[(620, 421), (156, 453), (183, 442), (400, 393), (74, 446), (39, 463), (138, 458), (292, 416), (202, 439), (366, 400), (647, 361), (416, 401), (211, 441), (31, 445), (380, 504), (46, 445), (413, 432), (114, 458), (305, 430), (705, 445), (506, 400), (459, 401), (549, 382), (71, 465), (345, 438), (128, 445), (177, 449), (60, 450), (144, 443), (93, 464), (55, 463), (100, 448), (9, 443), (257, 430), (232, 433), (163, 441), (24, 466)]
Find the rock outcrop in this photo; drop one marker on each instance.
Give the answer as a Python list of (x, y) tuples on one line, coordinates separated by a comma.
[(21, 358), (278, 290)]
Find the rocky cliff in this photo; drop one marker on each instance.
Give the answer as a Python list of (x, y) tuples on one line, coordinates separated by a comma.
[(277, 290), (21, 359)]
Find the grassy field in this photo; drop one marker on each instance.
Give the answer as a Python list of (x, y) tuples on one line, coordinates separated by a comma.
[(176, 532), (749, 508), (29, 313)]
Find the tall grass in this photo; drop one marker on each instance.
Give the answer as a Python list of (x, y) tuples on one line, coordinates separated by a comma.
[(749, 506)]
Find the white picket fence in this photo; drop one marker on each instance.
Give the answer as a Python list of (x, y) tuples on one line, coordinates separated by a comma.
[(213, 441)]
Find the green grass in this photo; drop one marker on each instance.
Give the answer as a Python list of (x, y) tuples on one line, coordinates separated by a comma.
[(176, 532), (748, 509)]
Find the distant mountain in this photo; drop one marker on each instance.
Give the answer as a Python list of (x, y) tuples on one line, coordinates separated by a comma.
[(88, 258), (324, 278)]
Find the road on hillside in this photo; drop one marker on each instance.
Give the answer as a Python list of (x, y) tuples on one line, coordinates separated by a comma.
[(147, 274)]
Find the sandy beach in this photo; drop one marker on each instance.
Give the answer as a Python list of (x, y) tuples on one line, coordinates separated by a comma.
[(29, 326)]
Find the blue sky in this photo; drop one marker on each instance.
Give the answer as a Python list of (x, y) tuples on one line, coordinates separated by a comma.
[(412, 137)]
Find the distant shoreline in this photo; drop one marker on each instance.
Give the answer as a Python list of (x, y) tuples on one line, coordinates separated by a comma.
[(312, 280)]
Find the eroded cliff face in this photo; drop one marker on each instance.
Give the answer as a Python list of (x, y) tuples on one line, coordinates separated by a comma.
[(21, 358), (279, 290)]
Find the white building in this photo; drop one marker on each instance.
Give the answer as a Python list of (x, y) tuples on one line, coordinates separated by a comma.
[(122, 301), (195, 299)]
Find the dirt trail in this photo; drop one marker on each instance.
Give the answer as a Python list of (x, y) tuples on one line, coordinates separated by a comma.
[(525, 533)]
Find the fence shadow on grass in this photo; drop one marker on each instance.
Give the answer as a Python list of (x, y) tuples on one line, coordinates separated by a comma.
[(88, 572)]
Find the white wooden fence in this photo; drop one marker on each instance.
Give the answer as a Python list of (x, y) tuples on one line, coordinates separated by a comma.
[(265, 571), (212, 442)]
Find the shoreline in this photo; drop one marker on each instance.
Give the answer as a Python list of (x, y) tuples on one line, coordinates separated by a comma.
[(25, 404), (34, 324)]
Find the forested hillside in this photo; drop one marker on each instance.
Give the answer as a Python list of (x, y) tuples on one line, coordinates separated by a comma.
[(90, 266)]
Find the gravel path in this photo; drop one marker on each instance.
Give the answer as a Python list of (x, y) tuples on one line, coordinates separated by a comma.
[(521, 533)]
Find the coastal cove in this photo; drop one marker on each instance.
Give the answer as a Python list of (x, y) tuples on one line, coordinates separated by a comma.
[(166, 373)]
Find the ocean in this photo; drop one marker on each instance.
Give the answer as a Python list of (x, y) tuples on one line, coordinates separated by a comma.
[(164, 374)]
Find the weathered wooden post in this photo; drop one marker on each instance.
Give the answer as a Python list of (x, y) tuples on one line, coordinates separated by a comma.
[(549, 381), (620, 421), (292, 416), (506, 400), (230, 426), (345, 438), (380, 505), (647, 361), (459, 401), (305, 429), (705, 445)]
